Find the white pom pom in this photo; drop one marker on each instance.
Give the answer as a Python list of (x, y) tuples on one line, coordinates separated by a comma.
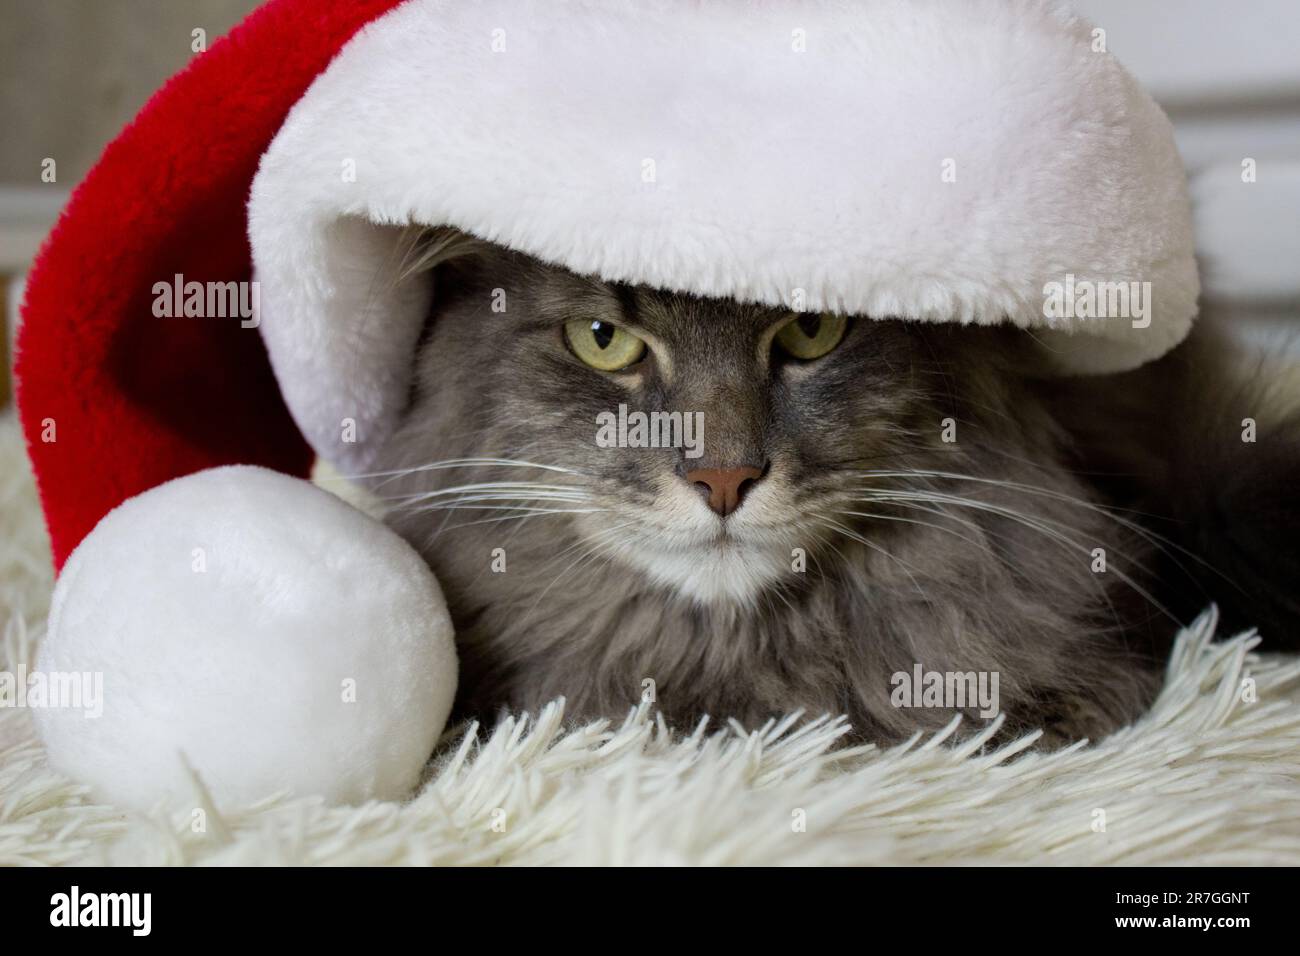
[(278, 638)]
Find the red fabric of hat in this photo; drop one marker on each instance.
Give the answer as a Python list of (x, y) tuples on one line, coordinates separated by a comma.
[(114, 400)]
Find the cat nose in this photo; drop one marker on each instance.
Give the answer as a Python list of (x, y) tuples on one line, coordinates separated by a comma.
[(726, 486)]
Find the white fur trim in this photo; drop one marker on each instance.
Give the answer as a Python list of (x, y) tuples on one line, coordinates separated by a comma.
[(810, 178), (231, 615)]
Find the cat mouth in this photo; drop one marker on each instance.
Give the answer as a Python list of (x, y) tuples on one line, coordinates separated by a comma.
[(724, 536)]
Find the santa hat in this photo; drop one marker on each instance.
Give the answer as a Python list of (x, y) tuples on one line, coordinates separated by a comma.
[(935, 161)]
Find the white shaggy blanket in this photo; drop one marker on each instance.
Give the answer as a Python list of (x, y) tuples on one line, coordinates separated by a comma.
[(1209, 776)]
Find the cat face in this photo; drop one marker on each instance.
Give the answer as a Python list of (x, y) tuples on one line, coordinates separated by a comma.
[(765, 421)]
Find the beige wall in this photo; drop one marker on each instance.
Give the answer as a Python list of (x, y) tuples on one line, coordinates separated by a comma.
[(73, 72)]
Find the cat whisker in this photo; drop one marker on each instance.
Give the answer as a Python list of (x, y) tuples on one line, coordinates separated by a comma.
[(1049, 527), (384, 477), (522, 494), (423, 506), (475, 502), (925, 524), (529, 513), (521, 506), (1041, 525), (1154, 538), (532, 509), (854, 536), (491, 486), (982, 531)]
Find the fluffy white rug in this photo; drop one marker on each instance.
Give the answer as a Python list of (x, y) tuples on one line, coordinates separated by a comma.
[(1207, 777)]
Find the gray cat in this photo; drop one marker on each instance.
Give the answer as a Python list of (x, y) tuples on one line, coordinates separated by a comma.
[(864, 500)]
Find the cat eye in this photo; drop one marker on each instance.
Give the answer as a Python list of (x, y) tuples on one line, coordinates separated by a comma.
[(603, 345), (812, 335)]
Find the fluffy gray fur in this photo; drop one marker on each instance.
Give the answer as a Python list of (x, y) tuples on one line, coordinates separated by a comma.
[(970, 556)]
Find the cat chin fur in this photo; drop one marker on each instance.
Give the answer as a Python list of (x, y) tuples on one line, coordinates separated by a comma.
[(727, 573)]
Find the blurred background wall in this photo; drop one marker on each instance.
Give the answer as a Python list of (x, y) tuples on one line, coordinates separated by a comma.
[(72, 72), (1228, 75)]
